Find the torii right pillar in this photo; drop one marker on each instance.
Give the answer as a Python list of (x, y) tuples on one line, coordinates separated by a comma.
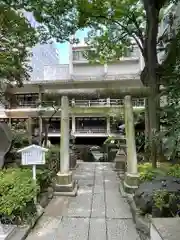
[(131, 176)]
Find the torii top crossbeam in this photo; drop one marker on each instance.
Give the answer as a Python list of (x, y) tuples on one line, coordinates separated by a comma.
[(105, 88)]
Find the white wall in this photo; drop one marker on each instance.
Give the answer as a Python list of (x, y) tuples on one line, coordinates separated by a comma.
[(88, 70), (56, 72), (124, 67)]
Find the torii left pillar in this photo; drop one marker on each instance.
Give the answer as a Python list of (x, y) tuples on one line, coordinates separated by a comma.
[(65, 186)]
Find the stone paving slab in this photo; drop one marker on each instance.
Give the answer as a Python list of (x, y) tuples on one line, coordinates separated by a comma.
[(118, 229), (45, 229), (88, 183), (97, 230), (98, 188), (57, 207), (99, 182), (84, 176), (73, 229), (98, 206), (85, 191), (80, 206), (117, 207), (110, 185)]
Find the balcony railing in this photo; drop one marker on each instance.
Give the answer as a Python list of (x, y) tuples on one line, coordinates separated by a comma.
[(87, 131), (82, 103), (91, 130), (28, 104)]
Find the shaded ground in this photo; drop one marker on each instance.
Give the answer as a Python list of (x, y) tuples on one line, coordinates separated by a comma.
[(98, 212)]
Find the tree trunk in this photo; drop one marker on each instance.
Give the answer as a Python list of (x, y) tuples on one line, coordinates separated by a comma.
[(153, 126), (147, 130), (151, 62)]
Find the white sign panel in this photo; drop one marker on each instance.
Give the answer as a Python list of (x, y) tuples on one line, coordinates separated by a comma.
[(33, 155)]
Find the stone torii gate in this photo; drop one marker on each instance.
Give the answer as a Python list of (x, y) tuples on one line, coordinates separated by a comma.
[(65, 184)]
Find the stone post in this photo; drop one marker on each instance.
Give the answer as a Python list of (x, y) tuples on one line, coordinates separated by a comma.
[(108, 126), (131, 176), (64, 148), (73, 125), (108, 102), (65, 185), (120, 162)]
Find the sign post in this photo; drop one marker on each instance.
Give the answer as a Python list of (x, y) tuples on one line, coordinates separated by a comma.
[(34, 179), (33, 155), (34, 172)]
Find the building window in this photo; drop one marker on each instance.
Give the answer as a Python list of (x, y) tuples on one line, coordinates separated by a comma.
[(76, 55)]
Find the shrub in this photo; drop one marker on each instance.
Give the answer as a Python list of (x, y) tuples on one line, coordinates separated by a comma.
[(19, 139), (17, 193), (166, 204), (147, 172), (53, 160), (44, 178), (174, 171)]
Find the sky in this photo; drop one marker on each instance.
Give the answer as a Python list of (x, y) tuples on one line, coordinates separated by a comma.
[(64, 47)]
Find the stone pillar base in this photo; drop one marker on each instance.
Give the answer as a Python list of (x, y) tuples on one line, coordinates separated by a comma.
[(120, 164), (65, 186), (131, 182)]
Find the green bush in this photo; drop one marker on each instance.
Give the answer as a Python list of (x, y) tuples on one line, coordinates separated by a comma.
[(46, 173), (44, 178), (19, 139), (174, 171), (53, 160), (148, 173), (17, 193), (166, 204)]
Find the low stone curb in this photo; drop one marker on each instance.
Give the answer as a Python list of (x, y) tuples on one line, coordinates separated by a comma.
[(22, 232), (121, 190), (142, 224)]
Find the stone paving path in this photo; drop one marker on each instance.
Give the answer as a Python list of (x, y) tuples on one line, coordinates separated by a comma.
[(99, 212)]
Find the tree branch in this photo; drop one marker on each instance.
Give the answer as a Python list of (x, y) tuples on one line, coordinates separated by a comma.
[(132, 35), (140, 34), (55, 111)]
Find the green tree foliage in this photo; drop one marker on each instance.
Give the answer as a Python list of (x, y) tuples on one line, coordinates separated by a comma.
[(17, 37), (171, 111)]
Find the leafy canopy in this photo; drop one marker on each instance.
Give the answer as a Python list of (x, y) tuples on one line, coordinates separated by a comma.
[(17, 37)]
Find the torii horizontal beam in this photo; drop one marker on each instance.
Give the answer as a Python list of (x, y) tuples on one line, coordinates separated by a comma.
[(104, 88), (103, 93)]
